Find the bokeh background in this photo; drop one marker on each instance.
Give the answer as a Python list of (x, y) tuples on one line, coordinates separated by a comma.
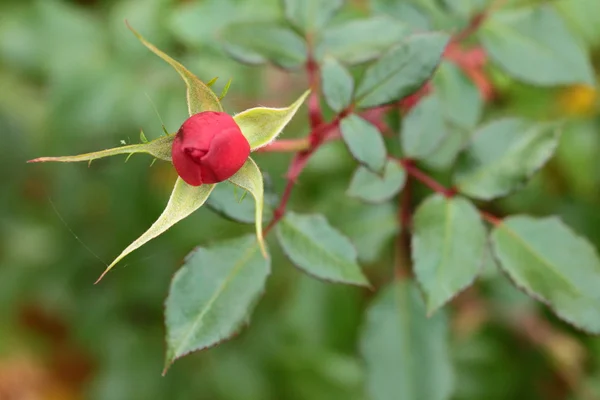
[(73, 79)]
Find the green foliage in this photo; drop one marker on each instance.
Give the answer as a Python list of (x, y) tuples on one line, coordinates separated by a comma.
[(373, 188), (317, 248), (448, 246), (212, 295), (312, 15), (338, 84), (402, 70), (503, 155), (534, 45), (406, 353), (551, 263), (364, 142)]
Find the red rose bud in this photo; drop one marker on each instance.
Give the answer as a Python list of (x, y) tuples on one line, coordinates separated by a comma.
[(209, 148)]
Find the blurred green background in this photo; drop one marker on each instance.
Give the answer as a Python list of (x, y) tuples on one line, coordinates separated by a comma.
[(73, 79)]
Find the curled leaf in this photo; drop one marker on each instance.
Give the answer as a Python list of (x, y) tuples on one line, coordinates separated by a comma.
[(184, 200), (261, 125), (199, 96), (250, 178), (159, 148)]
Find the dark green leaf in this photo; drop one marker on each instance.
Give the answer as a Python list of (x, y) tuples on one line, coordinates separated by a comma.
[(535, 46), (448, 246), (224, 201), (406, 353), (310, 15), (364, 142), (337, 84), (256, 43), (213, 294), (361, 40), (503, 155), (551, 263), (402, 70), (373, 188), (318, 249)]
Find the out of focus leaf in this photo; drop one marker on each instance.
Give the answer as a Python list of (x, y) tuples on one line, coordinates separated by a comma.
[(159, 148), (460, 100), (360, 40), (402, 70), (310, 15), (406, 353), (199, 96), (224, 201), (261, 125), (583, 17), (503, 155), (448, 246), (250, 178), (535, 46), (184, 200), (256, 43), (213, 294), (318, 249), (423, 128), (406, 12), (337, 84), (552, 264), (364, 142), (373, 188)]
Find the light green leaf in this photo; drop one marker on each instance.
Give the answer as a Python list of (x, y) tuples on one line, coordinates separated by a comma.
[(310, 15), (159, 148), (184, 200), (503, 155), (213, 294), (250, 178), (535, 46), (373, 188), (261, 125), (318, 249), (364, 142), (259, 42), (199, 96), (402, 70), (361, 40), (551, 263), (423, 128), (448, 247), (337, 84), (406, 354), (407, 13), (583, 17)]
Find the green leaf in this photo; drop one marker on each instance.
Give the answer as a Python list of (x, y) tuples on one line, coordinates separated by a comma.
[(184, 200), (535, 46), (402, 70), (423, 128), (224, 201), (259, 42), (337, 84), (310, 15), (360, 40), (318, 249), (503, 155), (407, 13), (213, 294), (199, 96), (406, 354), (373, 188), (583, 17), (250, 178), (261, 125), (448, 246), (159, 148), (460, 100), (364, 142), (551, 263)]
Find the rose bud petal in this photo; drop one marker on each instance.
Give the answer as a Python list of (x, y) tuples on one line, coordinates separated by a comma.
[(209, 148)]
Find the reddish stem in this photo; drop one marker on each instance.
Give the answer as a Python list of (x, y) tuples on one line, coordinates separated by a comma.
[(492, 219), (286, 145), (314, 106), (412, 170)]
